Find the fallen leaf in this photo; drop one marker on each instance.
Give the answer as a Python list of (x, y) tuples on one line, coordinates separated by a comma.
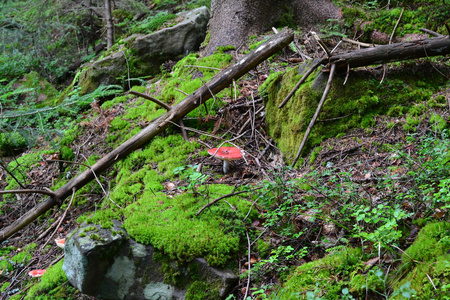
[(372, 261)]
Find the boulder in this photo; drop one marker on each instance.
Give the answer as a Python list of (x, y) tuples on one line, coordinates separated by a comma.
[(108, 264), (146, 53)]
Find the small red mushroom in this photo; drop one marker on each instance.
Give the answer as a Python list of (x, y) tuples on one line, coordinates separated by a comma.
[(36, 273), (226, 154), (60, 243)]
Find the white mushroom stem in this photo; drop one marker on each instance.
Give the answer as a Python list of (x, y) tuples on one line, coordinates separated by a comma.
[(226, 165)]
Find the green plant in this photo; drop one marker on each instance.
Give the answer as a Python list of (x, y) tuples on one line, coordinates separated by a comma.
[(382, 222), (194, 178)]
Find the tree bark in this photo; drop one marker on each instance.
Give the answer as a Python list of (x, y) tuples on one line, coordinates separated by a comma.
[(393, 52), (222, 80), (233, 21), (109, 25)]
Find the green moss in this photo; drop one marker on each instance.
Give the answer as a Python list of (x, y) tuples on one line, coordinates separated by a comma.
[(52, 285), (13, 142), (4, 286), (437, 122), (144, 171), (347, 106), (24, 255), (222, 49), (427, 259), (329, 275), (153, 22), (191, 73), (170, 225), (200, 290), (43, 90)]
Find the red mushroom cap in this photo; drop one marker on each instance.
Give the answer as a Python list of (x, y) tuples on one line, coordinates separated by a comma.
[(60, 243), (36, 273), (226, 153)]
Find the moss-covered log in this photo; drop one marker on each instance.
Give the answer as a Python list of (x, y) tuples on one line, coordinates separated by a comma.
[(222, 80)]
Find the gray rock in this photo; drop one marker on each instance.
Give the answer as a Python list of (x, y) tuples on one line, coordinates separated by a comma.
[(146, 53), (108, 264)]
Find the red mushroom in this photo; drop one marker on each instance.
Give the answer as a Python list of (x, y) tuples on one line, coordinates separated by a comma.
[(36, 273), (60, 243), (226, 154)]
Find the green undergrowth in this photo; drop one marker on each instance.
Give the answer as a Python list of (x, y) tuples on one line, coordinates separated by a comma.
[(373, 15), (424, 272), (52, 285), (426, 263), (326, 277), (191, 73), (353, 105), (170, 225), (9, 262)]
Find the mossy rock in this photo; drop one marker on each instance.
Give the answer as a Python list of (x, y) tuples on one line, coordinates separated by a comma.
[(425, 264), (348, 106), (170, 224)]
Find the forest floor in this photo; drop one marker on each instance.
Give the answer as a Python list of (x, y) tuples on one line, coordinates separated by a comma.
[(365, 155)]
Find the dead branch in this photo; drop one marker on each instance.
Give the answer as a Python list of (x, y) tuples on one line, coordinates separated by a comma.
[(316, 114), (431, 32), (29, 191), (223, 197), (153, 99), (222, 80), (359, 43), (315, 65), (393, 52)]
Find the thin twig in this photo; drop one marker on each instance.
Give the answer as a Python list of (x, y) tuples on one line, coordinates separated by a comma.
[(395, 27), (249, 265), (223, 197), (359, 43), (99, 183), (431, 32), (11, 174), (304, 77), (61, 219), (160, 103), (321, 43), (29, 191), (316, 114)]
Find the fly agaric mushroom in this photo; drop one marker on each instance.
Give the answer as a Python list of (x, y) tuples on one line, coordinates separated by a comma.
[(226, 154), (60, 243), (36, 273)]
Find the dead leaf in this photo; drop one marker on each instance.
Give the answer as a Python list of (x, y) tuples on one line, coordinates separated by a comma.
[(372, 261)]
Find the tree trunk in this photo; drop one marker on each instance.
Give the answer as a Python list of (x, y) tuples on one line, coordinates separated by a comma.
[(233, 21), (109, 25)]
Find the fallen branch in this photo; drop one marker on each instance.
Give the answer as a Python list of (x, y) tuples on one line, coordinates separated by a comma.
[(315, 65), (29, 191), (316, 114), (220, 198), (392, 52), (431, 32), (222, 80)]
